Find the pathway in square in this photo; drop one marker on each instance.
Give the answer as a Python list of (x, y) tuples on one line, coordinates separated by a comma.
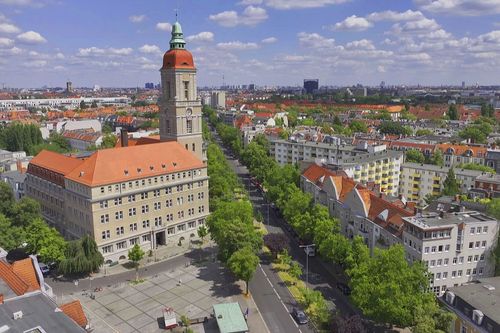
[(190, 290)]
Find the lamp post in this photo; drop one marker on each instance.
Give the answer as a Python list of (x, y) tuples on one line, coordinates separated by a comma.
[(307, 247)]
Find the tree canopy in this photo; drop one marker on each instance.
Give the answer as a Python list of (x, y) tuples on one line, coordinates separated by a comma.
[(451, 187)]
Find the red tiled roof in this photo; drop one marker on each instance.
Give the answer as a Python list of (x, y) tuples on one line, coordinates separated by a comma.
[(115, 165), (462, 149), (25, 270), (74, 310), (55, 162), (14, 281)]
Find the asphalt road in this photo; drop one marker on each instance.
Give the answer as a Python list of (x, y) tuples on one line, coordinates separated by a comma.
[(319, 278)]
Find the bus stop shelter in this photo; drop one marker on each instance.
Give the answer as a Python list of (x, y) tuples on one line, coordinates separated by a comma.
[(230, 318)]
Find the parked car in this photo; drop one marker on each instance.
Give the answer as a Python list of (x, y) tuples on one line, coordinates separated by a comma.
[(344, 288), (45, 269), (299, 316)]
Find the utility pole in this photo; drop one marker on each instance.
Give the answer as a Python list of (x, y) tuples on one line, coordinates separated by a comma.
[(307, 247)]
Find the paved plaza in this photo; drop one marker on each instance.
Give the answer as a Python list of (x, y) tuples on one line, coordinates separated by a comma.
[(190, 290)]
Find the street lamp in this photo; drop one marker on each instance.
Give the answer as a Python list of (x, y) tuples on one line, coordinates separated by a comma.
[(307, 247)]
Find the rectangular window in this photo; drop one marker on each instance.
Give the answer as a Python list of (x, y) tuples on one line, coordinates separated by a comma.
[(189, 126), (469, 259), (471, 245), (181, 227), (134, 241), (433, 249), (478, 230), (119, 215), (171, 231), (472, 231), (131, 198), (146, 238), (447, 248), (118, 201), (103, 204), (446, 262), (483, 244), (145, 224), (477, 244), (121, 245), (133, 227), (426, 249), (454, 261), (453, 274), (158, 221), (485, 230), (120, 231), (107, 249), (186, 90)]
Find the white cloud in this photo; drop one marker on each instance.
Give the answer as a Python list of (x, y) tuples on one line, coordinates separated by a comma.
[(35, 3), (364, 44), (6, 43), (269, 40), (31, 37), (137, 18), (237, 46), (424, 25), (163, 26), (381, 69), (149, 49), (390, 15), (35, 64), (315, 41), (204, 36), (250, 2), (460, 7), (95, 51), (150, 66), (251, 16), (9, 28), (60, 56), (353, 23), (294, 4)]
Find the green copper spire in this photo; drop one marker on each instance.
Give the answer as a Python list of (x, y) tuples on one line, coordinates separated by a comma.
[(177, 40)]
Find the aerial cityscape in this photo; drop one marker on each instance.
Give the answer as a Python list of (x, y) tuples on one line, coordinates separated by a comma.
[(250, 166)]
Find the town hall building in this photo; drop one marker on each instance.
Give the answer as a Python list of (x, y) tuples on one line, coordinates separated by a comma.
[(146, 192)]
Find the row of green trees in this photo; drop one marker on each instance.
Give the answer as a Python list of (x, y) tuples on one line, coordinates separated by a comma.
[(22, 226), (385, 286), (231, 223), (416, 156)]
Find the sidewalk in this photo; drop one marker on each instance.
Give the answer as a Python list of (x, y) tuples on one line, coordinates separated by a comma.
[(163, 253)]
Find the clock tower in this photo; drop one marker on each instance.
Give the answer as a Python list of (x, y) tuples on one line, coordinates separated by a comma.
[(180, 107)]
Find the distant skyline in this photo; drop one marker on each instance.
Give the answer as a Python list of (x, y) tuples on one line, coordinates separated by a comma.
[(120, 43)]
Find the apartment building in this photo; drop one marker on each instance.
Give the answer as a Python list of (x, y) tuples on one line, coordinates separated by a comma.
[(361, 212), (363, 163), (457, 154), (420, 180), (456, 247), (148, 194), (475, 306)]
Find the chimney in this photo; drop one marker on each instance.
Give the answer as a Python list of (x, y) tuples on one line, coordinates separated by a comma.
[(19, 165), (124, 137)]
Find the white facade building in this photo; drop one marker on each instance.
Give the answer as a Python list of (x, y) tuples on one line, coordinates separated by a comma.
[(456, 247)]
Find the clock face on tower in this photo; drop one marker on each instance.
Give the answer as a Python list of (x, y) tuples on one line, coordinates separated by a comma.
[(189, 112)]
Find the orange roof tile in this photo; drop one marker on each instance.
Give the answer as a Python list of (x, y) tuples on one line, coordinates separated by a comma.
[(365, 195), (74, 310), (122, 164), (462, 149), (14, 281), (56, 162), (25, 270)]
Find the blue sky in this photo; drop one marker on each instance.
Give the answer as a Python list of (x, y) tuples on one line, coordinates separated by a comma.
[(268, 42)]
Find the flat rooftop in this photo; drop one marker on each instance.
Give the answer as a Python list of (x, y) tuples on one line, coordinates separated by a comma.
[(483, 295), (230, 318), (38, 311), (437, 168), (447, 219)]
